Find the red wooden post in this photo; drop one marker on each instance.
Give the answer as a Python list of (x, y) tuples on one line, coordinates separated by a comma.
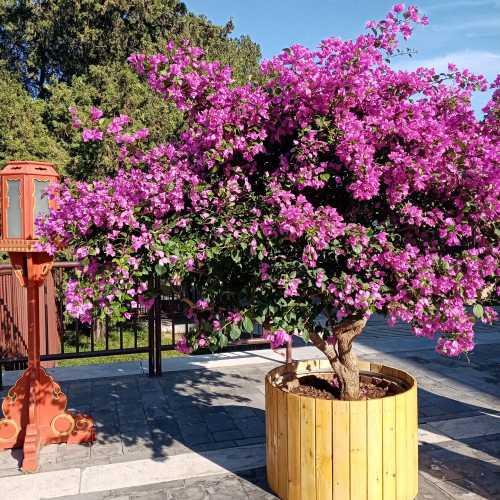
[(35, 407)]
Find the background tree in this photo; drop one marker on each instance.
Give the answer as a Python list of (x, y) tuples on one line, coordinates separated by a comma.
[(333, 188), (23, 134), (62, 38), (74, 53)]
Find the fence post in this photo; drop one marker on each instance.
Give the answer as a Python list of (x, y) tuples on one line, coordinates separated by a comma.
[(157, 328), (151, 341)]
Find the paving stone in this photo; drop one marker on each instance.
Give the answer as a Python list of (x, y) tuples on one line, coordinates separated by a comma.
[(228, 435), (10, 472), (84, 496), (189, 493), (460, 489), (430, 491), (196, 434), (49, 449), (252, 426), (487, 444), (73, 452), (484, 475), (436, 469), (227, 489), (46, 460), (157, 411), (220, 445), (199, 410), (10, 459), (107, 436), (471, 449), (107, 449), (165, 445), (164, 425), (458, 428), (217, 422), (250, 441), (149, 495), (188, 415), (240, 411)]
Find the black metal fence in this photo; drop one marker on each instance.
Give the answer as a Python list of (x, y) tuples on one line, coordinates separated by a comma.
[(147, 332)]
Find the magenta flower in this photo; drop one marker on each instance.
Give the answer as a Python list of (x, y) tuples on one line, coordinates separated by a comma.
[(183, 346), (364, 187), (277, 338), (95, 114), (92, 134)]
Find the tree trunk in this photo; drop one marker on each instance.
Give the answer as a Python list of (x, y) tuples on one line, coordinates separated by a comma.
[(98, 327), (342, 359)]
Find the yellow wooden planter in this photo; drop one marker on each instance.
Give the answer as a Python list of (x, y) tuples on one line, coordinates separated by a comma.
[(320, 449)]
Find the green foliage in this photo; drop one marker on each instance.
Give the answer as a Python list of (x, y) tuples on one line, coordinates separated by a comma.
[(74, 54), (23, 135), (62, 39), (115, 89)]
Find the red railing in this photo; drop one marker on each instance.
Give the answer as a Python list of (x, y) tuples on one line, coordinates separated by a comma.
[(13, 317), (149, 332)]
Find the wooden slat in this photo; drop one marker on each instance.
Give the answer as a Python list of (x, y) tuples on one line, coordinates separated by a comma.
[(402, 444), (375, 447), (324, 466), (307, 449), (272, 441), (377, 460), (358, 450), (412, 432), (293, 447), (340, 447), (268, 426), (282, 457), (324, 364), (364, 365), (389, 451)]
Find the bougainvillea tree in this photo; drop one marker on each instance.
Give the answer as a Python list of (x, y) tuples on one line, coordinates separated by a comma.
[(335, 187)]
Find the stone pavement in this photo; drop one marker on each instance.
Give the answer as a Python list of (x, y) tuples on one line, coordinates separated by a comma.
[(154, 435)]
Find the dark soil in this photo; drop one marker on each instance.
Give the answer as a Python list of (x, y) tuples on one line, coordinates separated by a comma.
[(326, 386)]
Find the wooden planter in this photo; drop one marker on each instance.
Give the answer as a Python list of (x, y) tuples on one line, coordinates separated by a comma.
[(355, 450)]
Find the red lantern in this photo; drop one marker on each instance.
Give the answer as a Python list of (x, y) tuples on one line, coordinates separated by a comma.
[(35, 407), (23, 184)]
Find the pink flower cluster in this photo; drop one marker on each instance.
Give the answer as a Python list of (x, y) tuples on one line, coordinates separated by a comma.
[(336, 186)]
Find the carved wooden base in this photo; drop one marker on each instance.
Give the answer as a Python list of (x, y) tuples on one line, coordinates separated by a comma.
[(35, 415)]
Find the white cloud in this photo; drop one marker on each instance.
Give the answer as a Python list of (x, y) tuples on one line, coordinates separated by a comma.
[(482, 24), (479, 62)]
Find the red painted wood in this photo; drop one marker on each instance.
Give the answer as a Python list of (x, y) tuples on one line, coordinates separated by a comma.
[(35, 408)]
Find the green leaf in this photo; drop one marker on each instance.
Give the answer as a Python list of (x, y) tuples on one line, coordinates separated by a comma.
[(223, 341), (478, 310), (234, 332), (160, 270), (248, 324)]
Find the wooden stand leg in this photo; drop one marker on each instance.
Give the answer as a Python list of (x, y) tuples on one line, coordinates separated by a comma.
[(31, 449), (35, 407)]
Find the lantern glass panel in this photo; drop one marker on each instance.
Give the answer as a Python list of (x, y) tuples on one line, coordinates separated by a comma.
[(41, 201), (14, 215)]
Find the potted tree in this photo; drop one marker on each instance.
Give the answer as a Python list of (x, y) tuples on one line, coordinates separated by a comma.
[(328, 188)]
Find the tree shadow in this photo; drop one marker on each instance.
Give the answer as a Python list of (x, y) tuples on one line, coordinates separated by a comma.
[(138, 417), (202, 410)]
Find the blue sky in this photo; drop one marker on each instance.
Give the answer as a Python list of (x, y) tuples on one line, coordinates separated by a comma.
[(466, 32)]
